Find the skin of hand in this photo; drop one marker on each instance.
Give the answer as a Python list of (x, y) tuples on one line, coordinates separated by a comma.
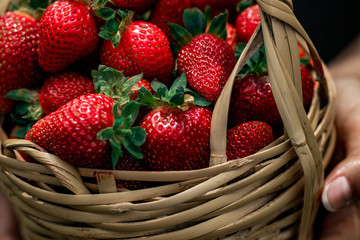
[(341, 191)]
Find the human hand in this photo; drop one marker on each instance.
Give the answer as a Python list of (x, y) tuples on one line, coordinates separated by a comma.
[(342, 189)]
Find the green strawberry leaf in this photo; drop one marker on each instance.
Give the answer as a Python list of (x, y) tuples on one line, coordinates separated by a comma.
[(116, 151), (304, 61), (198, 100), (106, 13), (118, 122), (109, 30), (241, 6), (194, 21), (175, 49), (145, 98), (138, 136), (27, 105), (122, 134), (182, 36), (101, 3), (113, 83), (177, 99), (207, 12), (217, 26), (160, 89), (24, 95), (174, 97), (179, 82), (22, 131), (106, 133), (130, 113), (257, 63), (123, 14), (134, 150)]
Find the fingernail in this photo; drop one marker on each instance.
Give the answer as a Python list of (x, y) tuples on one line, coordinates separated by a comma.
[(336, 194)]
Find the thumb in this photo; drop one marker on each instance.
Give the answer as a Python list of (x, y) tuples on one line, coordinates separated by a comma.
[(342, 184)]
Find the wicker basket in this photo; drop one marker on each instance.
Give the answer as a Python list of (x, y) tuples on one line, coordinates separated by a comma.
[(275, 195)]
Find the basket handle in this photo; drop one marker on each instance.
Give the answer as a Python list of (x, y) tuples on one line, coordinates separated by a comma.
[(221, 109), (65, 172), (280, 32)]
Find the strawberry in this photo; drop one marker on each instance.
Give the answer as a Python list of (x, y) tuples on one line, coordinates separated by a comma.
[(139, 6), (252, 99), (129, 163), (142, 83), (62, 134), (62, 87), (205, 58), (246, 23), (177, 133), (77, 132), (19, 68), (231, 35), (143, 48), (168, 11), (247, 138), (68, 32), (56, 91)]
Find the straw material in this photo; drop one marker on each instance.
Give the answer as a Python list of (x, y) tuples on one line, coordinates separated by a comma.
[(272, 194)]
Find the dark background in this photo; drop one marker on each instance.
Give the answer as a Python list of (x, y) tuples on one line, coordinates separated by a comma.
[(331, 24)]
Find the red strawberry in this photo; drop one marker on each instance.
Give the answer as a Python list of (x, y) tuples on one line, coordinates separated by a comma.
[(143, 48), (247, 138), (231, 35), (142, 83), (129, 163), (177, 133), (168, 11), (19, 66), (68, 32), (246, 23), (71, 131), (136, 5), (204, 55), (78, 131), (63, 87), (252, 99), (177, 139), (208, 62)]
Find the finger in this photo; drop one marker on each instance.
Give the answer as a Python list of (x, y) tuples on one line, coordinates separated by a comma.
[(342, 184), (342, 225)]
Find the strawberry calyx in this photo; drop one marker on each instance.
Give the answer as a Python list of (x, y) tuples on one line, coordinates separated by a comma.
[(114, 84), (176, 96), (257, 64), (197, 23), (122, 134), (27, 110), (116, 21), (242, 5)]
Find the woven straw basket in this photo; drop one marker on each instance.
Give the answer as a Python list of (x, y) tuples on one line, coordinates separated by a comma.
[(275, 195)]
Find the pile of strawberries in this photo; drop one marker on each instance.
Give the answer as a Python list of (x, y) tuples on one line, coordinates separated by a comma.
[(132, 84)]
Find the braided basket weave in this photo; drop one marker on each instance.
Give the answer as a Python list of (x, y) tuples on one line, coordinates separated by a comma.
[(275, 195)]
